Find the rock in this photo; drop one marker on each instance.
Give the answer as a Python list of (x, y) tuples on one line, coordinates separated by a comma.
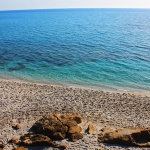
[(59, 126), (20, 148), (74, 133), (130, 137), (91, 129), (2, 146), (64, 146), (31, 139), (15, 140), (75, 136), (76, 118), (58, 136), (16, 126), (74, 129)]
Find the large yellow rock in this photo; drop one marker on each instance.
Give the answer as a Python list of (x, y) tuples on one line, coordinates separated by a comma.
[(131, 137), (59, 126)]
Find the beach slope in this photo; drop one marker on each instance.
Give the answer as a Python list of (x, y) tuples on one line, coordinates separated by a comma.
[(25, 102)]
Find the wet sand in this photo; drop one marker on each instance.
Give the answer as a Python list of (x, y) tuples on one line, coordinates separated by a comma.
[(25, 102)]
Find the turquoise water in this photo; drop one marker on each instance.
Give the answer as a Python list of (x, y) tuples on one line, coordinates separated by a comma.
[(108, 48)]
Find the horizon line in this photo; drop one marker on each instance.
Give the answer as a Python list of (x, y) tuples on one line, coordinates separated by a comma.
[(73, 8)]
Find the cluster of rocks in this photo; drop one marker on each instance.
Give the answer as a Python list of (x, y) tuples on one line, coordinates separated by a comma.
[(56, 127), (24, 103), (51, 128), (59, 127), (31, 139)]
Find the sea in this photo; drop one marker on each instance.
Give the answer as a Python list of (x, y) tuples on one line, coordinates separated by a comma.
[(99, 48)]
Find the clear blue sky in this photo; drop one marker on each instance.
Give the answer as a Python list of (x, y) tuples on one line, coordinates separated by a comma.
[(40, 4)]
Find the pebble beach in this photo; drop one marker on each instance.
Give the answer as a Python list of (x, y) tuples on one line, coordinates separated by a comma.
[(25, 102)]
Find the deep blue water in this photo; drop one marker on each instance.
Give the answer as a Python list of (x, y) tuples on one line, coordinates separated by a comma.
[(90, 47)]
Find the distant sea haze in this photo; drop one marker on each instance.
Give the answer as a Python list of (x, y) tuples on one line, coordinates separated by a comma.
[(102, 48)]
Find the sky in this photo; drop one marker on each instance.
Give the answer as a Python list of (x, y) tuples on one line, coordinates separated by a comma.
[(46, 4)]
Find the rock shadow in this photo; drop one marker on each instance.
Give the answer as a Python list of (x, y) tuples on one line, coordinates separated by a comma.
[(19, 67), (41, 148)]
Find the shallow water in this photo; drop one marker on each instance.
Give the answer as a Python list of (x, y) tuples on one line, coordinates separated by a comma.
[(107, 48)]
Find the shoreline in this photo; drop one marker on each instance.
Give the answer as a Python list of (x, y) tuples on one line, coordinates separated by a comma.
[(96, 88)]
